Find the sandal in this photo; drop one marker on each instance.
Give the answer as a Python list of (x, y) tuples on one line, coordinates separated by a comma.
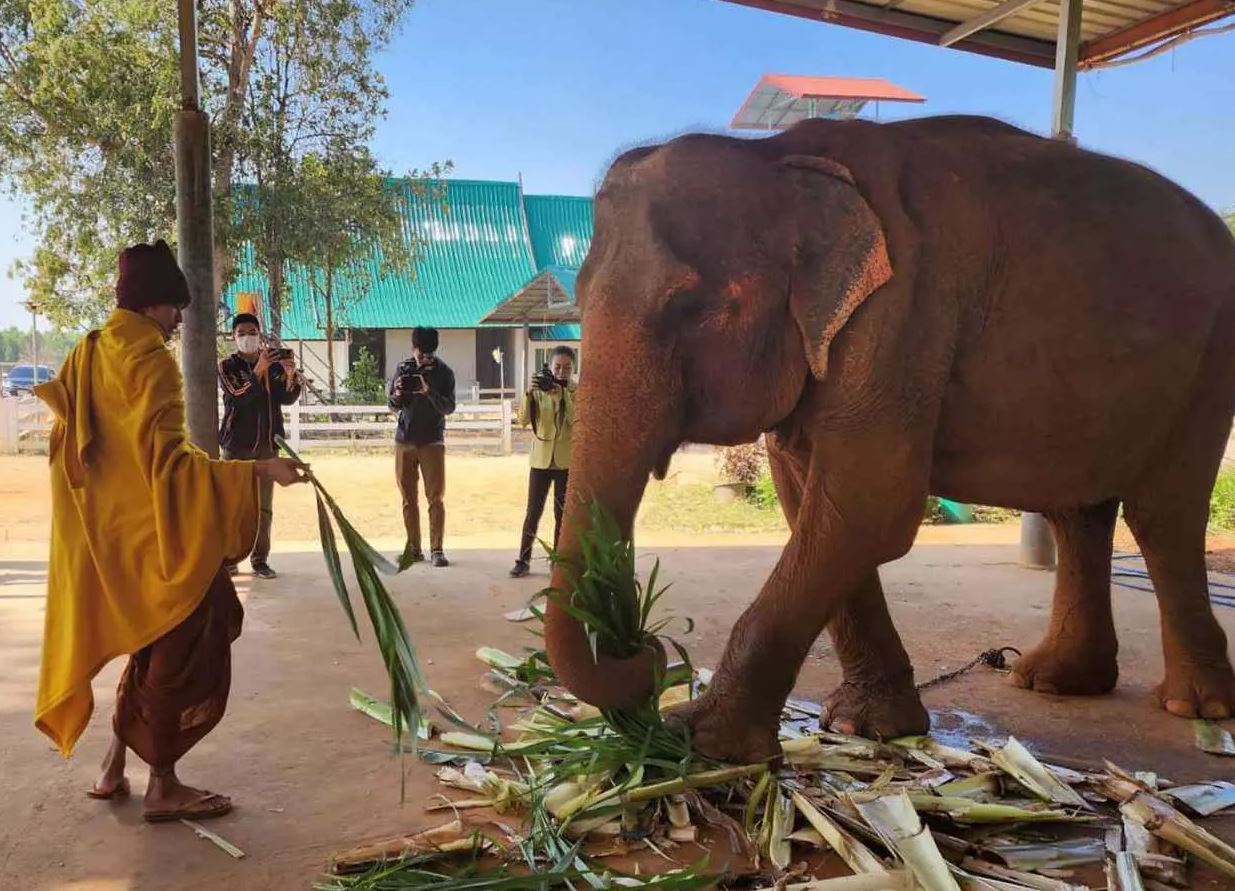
[(207, 806), (120, 790)]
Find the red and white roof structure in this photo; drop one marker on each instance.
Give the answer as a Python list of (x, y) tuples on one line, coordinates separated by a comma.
[(779, 101)]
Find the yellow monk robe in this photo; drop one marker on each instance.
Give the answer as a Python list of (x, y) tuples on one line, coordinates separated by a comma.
[(142, 520)]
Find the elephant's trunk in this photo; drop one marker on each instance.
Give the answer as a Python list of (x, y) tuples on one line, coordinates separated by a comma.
[(616, 445)]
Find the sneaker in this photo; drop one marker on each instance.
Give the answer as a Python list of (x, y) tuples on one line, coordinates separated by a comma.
[(439, 559), (262, 571), (418, 556), (232, 570), (521, 569)]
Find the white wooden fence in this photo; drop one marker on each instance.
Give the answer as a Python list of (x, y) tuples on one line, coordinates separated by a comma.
[(473, 425), (24, 423)]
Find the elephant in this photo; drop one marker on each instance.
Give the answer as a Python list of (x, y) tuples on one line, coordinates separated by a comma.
[(948, 306)]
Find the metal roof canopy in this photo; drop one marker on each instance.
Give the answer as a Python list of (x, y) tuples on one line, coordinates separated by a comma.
[(1019, 30), (548, 299), (779, 101)]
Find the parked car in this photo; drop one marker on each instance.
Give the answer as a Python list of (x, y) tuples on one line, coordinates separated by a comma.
[(22, 379)]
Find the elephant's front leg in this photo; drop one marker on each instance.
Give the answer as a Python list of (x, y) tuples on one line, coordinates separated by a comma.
[(876, 698), (830, 554)]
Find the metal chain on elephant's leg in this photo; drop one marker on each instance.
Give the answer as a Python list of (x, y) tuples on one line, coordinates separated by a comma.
[(994, 658)]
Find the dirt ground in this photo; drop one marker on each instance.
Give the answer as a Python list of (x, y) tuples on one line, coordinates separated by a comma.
[(310, 776)]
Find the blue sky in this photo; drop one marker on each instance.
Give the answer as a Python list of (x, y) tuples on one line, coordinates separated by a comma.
[(552, 89)]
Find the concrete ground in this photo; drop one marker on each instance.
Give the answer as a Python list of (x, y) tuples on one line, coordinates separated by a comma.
[(310, 776)]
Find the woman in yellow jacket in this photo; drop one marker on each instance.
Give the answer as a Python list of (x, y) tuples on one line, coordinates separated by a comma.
[(549, 409)]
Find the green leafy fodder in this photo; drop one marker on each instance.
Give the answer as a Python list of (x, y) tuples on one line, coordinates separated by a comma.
[(604, 592)]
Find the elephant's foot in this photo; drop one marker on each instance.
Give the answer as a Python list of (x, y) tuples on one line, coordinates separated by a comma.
[(1193, 690), (880, 710), (1067, 669), (722, 729)]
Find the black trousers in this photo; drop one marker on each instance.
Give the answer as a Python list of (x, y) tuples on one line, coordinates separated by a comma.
[(538, 482)]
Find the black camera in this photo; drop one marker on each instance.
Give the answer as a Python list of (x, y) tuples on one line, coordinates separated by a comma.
[(280, 354), (412, 382), (544, 379)]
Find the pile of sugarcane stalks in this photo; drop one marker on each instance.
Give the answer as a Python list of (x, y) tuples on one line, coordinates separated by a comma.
[(564, 791)]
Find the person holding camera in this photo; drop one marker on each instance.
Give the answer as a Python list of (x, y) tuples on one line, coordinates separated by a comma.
[(549, 409), (257, 382), (423, 393)]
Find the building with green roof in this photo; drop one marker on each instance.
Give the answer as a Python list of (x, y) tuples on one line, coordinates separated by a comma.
[(481, 243)]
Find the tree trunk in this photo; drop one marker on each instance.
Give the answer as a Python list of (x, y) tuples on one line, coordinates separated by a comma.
[(330, 332), (274, 274)]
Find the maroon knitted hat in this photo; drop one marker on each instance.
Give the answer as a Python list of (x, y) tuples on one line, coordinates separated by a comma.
[(149, 276)]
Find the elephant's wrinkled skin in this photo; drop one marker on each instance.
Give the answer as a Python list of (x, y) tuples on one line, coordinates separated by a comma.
[(947, 306)]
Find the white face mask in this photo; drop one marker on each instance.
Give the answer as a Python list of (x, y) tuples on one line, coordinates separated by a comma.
[(249, 343)]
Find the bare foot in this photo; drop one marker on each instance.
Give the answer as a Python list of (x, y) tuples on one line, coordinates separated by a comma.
[(1191, 690), (112, 782), (721, 729), (1063, 668), (881, 710)]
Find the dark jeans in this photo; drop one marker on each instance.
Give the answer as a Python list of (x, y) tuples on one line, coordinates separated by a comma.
[(538, 482), (265, 518)]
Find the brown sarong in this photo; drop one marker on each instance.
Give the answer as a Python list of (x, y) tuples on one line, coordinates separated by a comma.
[(174, 691)]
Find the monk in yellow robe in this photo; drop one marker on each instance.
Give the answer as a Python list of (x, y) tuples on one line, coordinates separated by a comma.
[(142, 526)]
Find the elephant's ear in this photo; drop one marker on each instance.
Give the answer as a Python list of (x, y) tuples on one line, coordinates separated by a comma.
[(841, 257)]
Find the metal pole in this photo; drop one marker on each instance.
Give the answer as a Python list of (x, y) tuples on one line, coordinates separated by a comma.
[(1037, 541), (195, 244), (34, 342), (1067, 53)]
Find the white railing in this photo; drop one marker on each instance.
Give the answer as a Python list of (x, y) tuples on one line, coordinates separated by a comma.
[(491, 394), (473, 425), (24, 422)]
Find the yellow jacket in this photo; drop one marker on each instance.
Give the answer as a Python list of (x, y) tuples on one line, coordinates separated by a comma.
[(551, 443), (141, 520)]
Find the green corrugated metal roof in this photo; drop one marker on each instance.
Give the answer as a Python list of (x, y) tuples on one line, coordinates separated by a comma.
[(560, 227), (475, 251)]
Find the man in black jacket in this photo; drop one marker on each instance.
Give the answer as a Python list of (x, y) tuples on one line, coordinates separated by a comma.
[(423, 393), (256, 383)]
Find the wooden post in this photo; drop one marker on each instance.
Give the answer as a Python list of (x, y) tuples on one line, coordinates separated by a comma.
[(1037, 541), (8, 425), (195, 244), (508, 445)]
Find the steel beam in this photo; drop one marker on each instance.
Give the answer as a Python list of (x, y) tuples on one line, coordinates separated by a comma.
[(910, 26), (1151, 30), (981, 22), (195, 245)]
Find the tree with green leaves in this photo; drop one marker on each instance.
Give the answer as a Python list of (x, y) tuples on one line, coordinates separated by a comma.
[(351, 233), (311, 90), (364, 382), (18, 345), (88, 91)]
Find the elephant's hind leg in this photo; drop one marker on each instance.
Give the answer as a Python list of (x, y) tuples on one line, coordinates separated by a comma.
[(1168, 510), (877, 698), (1078, 654), (1168, 519)]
